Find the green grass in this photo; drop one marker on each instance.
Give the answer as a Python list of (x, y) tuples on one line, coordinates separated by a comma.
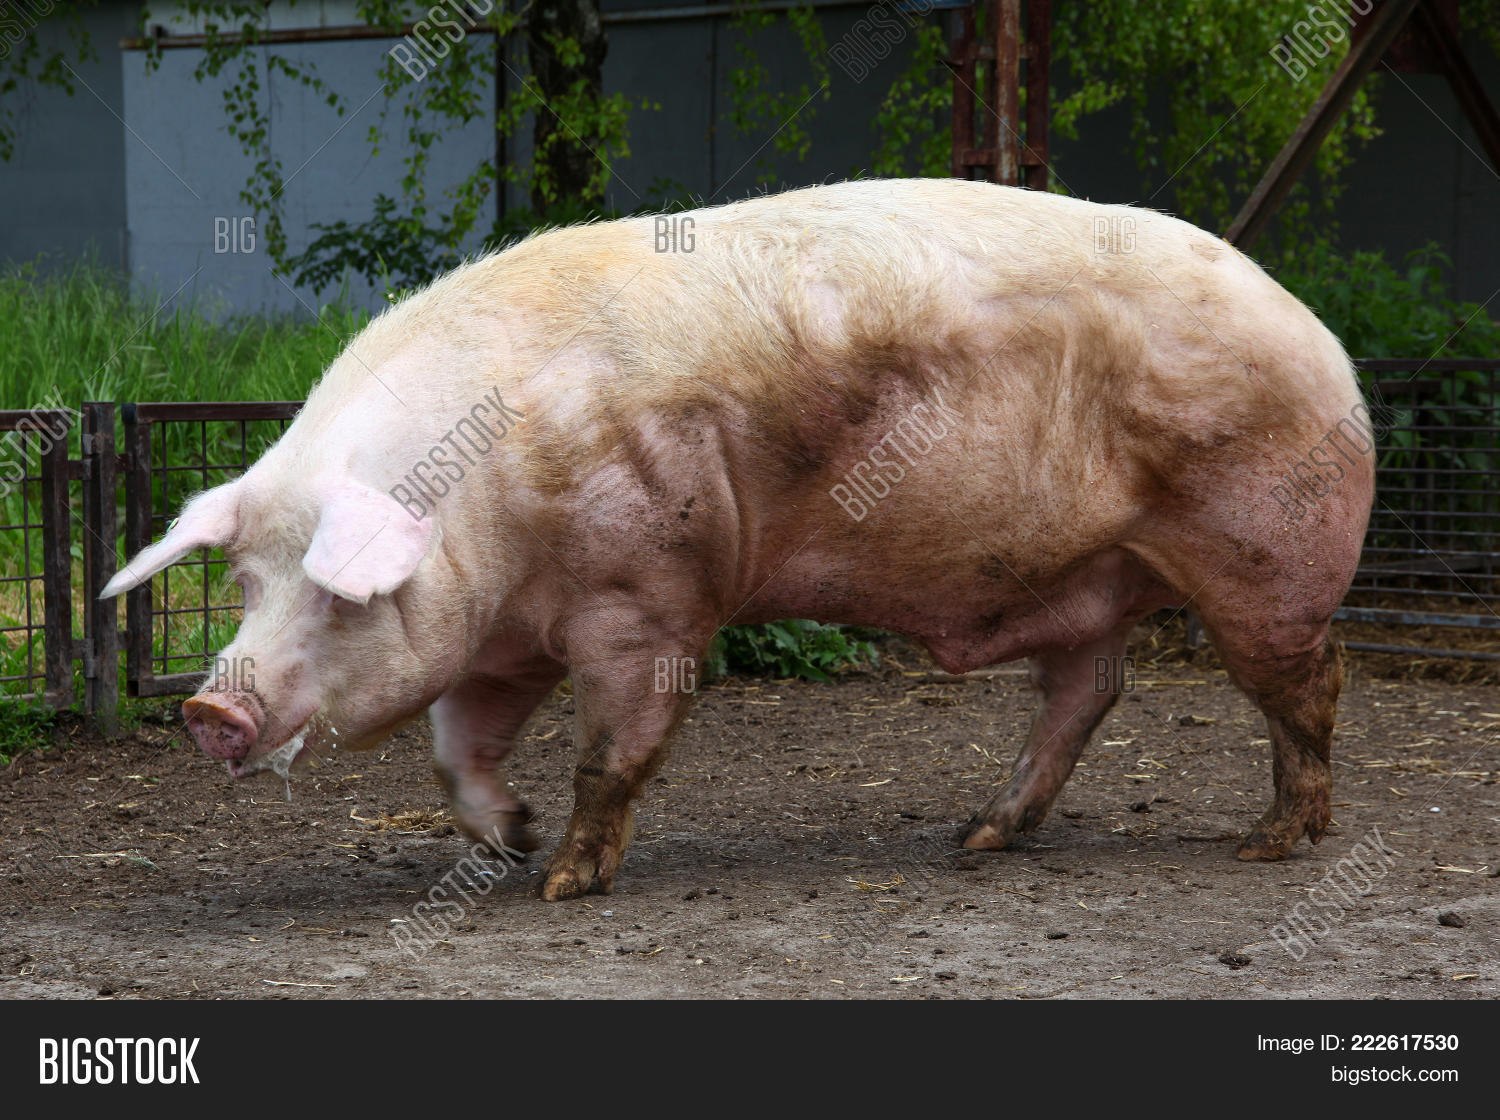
[(24, 727), (81, 335)]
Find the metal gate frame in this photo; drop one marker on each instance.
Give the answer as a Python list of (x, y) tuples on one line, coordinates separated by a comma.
[(140, 420), (53, 427)]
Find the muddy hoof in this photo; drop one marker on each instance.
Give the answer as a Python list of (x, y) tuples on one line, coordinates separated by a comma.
[(985, 837), (503, 834), (573, 881), (1264, 846), (517, 838)]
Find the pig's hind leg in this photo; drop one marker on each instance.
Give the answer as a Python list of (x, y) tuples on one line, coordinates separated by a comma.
[(1078, 688), (1267, 609), (1294, 678), (475, 726)]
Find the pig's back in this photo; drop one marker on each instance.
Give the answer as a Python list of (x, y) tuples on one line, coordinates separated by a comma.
[(802, 316), (800, 327)]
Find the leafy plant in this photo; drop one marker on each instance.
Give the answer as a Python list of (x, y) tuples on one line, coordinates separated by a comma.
[(579, 131), (794, 648), (1228, 106), (390, 249), (1432, 426), (911, 125), (26, 58), (398, 253), (757, 106), (1380, 310)]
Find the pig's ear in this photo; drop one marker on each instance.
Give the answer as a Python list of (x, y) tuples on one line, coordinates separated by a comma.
[(367, 544), (209, 520)]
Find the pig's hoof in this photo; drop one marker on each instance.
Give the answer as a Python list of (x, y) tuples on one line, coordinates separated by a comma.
[(513, 833), (986, 836), (485, 816), (1002, 820), (1266, 844), (503, 832), (573, 880), (1275, 838), (588, 858)]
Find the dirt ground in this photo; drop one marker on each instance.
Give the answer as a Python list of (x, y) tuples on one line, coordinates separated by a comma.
[(800, 843)]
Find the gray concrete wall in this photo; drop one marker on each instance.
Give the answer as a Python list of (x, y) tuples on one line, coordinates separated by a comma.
[(1426, 178), (183, 172), (686, 67), (81, 179), (63, 192)]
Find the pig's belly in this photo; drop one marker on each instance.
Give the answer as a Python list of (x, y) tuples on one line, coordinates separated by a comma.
[(967, 623)]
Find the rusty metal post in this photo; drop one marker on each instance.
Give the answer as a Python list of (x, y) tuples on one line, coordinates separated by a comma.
[(57, 565), (101, 659), (1003, 129), (137, 537), (994, 148), (1038, 92), (963, 65)]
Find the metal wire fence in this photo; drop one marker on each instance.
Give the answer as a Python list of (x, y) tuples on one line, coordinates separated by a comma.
[(1432, 554), (175, 625), (36, 630)]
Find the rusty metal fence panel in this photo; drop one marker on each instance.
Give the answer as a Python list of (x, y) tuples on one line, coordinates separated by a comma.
[(101, 634), (1432, 554), (36, 602), (173, 624)]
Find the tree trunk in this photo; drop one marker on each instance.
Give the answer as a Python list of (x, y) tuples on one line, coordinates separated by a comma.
[(564, 159)]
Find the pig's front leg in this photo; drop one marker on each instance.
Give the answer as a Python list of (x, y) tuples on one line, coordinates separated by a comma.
[(475, 725), (627, 709)]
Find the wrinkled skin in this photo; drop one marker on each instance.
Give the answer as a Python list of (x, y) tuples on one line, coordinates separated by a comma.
[(677, 441)]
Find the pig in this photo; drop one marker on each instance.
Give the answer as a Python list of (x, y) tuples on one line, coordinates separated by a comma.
[(1006, 424)]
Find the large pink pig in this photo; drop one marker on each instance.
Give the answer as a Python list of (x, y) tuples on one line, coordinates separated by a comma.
[(1005, 423)]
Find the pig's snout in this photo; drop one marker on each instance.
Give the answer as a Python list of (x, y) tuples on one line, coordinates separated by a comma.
[(223, 725)]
